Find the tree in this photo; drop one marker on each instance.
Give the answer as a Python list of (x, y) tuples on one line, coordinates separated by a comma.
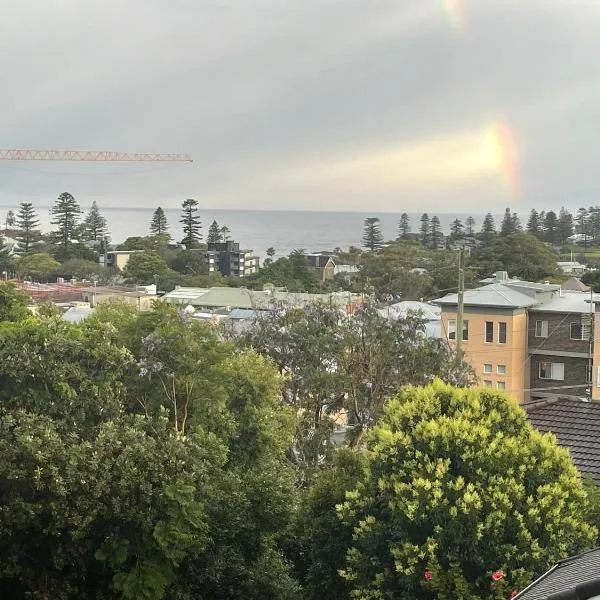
[(37, 265), (225, 233), (459, 485), (79, 268), (9, 222), (270, 254), (533, 224), (159, 225), (13, 303), (65, 214), (565, 226), (143, 266), (191, 224), (470, 227), (436, 234), (488, 228), (551, 227), (457, 230), (94, 225), (215, 233), (372, 236), (27, 223), (404, 227), (520, 254), (425, 231), (516, 223), (508, 224)]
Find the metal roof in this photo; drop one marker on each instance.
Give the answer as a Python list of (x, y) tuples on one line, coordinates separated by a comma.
[(77, 314), (567, 302), (496, 295), (429, 312)]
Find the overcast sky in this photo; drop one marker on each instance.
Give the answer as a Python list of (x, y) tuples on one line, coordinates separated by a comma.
[(382, 105)]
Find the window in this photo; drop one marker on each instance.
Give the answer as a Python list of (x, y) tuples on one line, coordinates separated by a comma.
[(502, 333), (501, 369), (452, 330), (550, 370), (489, 332), (501, 385), (580, 331), (541, 329), (487, 368), (487, 383)]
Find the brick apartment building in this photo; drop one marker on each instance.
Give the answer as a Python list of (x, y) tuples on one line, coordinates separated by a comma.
[(533, 340)]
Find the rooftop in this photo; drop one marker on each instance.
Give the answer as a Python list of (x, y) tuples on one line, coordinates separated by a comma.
[(494, 295), (429, 312), (575, 578), (568, 301), (576, 425)]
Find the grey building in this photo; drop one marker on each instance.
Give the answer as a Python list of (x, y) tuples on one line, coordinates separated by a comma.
[(228, 259)]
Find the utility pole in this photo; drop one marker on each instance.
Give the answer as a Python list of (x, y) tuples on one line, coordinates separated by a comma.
[(461, 303)]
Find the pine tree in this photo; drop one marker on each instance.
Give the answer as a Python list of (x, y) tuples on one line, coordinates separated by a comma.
[(470, 227), (27, 223), (94, 225), (372, 236), (551, 227), (9, 222), (533, 224), (436, 233), (159, 225), (457, 230), (507, 226), (488, 228), (516, 223), (404, 227), (425, 234), (225, 233), (215, 234), (565, 225), (66, 213), (191, 224)]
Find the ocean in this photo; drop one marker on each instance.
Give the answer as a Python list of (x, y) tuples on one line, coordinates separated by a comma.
[(260, 229)]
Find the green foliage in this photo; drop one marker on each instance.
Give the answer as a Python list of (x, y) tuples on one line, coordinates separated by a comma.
[(190, 219), (372, 236), (153, 243), (79, 268), (27, 224), (459, 484), (65, 215), (143, 266), (38, 265), (521, 255), (13, 303), (159, 225), (215, 233), (95, 227), (189, 262), (293, 273)]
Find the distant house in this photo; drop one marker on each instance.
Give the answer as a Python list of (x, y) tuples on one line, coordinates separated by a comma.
[(572, 267), (430, 313), (141, 298), (575, 578), (117, 259), (323, 263)]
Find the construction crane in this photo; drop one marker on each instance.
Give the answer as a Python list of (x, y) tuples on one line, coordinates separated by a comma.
[(91, 156)]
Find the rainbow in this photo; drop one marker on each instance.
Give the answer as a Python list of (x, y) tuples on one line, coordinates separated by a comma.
[(455, 12), (500, 142)]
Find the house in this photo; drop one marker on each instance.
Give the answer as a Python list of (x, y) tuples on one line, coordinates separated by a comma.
[(576, 425), (574, 285), (571, 267), (533, 340), (323, 263), (430, 313), (117, 259), (575, 578), (230, 260), (141, 298)]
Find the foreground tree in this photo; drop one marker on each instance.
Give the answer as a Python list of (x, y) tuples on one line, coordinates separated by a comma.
[(190, 219), (372, 236), (460, 486), (95, 227), (159, 225), (65, 213), (27, 225), (13, 303)]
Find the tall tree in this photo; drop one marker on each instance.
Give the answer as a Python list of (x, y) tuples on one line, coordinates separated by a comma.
[(215, 234), (470, 227), (565, 225), (507, 226), (225, 233), (159, 225), (190, 219), (516, 223), (95, 227), (372, 236), (436, 234), (533, 224), (425, 233), (65, 213), (457, 230), (9, 222), (27, 223), (404, 227), (488, 228), (550, 227)]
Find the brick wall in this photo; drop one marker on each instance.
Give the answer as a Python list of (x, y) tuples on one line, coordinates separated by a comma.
[(559, 332), (575, 371)]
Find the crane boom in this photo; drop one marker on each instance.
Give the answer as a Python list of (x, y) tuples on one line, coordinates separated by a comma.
[(91, 155)]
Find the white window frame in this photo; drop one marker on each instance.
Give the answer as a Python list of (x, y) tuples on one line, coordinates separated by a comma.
[(499, 371), (501, 385), (558, 367), (452, 329), (542, 325), (487, 383), (485, 369)]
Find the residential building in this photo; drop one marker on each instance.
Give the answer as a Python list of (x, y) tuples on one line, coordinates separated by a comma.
[(117, 259), (141, 298), (323, 263), (532, 340), (574, 578), (230, 260), (430, 313), (571, 267)]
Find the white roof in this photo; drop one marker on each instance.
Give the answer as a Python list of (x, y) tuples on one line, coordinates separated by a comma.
[(568, 302), (430, 312)]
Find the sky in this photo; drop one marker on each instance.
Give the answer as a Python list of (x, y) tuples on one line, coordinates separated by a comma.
[(354, 105)]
